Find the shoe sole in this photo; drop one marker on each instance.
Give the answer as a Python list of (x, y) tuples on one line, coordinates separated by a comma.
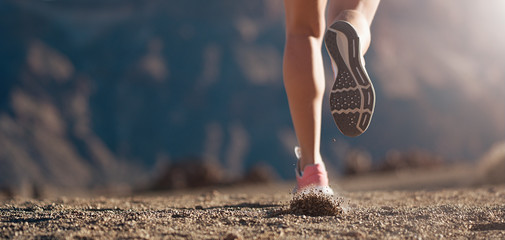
[(352, 97), (325, 190)]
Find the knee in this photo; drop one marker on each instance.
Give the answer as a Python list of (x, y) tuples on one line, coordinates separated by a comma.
[(306, 30), (305, 18), (305, 27)]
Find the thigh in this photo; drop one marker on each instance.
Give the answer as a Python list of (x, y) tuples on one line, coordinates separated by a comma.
[(305, 17)]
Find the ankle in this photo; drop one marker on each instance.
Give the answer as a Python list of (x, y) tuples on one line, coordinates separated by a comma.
[(360, 23), (310, 161)]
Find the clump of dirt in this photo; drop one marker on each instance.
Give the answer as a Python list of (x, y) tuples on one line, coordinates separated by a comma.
[(315, 203), (312, 203)]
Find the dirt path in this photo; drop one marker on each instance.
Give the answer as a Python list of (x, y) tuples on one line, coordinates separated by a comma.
[(249, 213)]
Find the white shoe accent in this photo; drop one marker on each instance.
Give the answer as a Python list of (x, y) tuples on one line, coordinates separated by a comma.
[(298, 152), (347, 111), (326, 190), (345, 90), (343, 47)]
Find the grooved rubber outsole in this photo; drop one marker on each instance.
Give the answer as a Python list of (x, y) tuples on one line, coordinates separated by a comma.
[(352, 98)]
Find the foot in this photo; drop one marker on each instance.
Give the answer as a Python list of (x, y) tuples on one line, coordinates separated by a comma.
[(352, 97), (313, 177)]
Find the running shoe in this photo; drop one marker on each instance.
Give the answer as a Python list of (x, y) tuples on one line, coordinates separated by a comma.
[(352, 97), (313, 178)]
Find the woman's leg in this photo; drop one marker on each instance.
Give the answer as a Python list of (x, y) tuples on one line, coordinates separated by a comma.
[(304, 73), (303, 65)]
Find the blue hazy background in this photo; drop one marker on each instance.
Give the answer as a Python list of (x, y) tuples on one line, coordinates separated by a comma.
[(109, 93)]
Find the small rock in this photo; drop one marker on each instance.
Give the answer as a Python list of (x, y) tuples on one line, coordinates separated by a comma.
[(233, 236)]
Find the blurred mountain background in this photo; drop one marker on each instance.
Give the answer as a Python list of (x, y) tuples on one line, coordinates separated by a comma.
[(109, 94)]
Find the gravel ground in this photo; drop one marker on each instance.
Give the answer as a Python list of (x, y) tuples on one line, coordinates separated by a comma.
[(247, 212)]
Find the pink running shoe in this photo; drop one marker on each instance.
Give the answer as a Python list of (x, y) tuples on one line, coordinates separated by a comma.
[(314, 178)]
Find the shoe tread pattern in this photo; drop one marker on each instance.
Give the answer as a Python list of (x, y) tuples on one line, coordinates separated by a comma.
[(352, 97)]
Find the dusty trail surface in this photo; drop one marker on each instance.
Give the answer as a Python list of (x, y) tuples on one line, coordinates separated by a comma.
[(255, 212)]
